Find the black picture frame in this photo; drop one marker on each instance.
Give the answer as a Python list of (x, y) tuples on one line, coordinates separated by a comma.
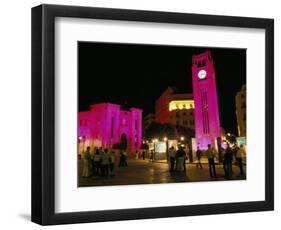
[(43, 110)]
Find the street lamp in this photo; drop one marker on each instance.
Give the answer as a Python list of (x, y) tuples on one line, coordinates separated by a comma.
[(166, 142), (154, 145), (182, 138)]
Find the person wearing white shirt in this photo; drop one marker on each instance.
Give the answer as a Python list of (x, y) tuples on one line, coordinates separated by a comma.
[(86, 163)]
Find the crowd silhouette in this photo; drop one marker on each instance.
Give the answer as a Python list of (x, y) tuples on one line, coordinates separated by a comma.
[(100, 162)]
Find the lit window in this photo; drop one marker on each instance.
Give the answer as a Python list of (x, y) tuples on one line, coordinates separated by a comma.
[(180, 104)]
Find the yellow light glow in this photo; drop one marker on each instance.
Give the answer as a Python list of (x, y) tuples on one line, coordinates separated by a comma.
[(165, 139), (181, 104)]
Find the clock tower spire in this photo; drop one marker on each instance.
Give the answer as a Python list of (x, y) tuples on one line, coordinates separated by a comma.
[(207, 122)]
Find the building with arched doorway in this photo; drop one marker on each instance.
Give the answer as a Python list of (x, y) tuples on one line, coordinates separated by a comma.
[(107, 124)]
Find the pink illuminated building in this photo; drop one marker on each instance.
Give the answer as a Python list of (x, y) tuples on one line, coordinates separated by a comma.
[(105, 124), (207, 122)]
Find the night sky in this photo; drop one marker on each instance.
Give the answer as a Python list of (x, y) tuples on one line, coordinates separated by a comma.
[(135, 75)]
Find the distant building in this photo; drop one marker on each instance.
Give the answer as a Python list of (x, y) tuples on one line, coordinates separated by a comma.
[(106, 124), (148, 120), (162, 106), (175, 108), (240, 101)]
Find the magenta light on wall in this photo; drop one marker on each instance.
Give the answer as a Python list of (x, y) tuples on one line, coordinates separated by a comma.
[(105, 123), (207, 122)]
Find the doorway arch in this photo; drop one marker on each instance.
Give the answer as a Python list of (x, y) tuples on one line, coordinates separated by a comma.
[(124, 141)]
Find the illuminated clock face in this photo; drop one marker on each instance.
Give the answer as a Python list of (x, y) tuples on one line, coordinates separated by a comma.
[(202, 74)]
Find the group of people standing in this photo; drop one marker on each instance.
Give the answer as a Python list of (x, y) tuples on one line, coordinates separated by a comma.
[(146, 154), (228, 155), (177, 159), (99, 162)]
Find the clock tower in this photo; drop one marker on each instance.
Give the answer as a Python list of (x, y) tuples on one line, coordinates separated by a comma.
[(207, 122)]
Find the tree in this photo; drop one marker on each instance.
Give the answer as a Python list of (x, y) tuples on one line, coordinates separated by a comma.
[(144, 146), (156, 130), (185, 132)]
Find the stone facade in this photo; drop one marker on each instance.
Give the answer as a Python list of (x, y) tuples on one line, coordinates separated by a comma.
[(105, 124)]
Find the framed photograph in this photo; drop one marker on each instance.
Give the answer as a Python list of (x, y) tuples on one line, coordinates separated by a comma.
[(142, 114)]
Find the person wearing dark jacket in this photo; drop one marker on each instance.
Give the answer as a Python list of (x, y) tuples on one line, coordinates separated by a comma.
[(239, 159), (227, 163), (180, 154), (198, 155), (211, 161)]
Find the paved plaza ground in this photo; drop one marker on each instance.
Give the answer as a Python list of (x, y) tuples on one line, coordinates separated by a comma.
[(141, 171)]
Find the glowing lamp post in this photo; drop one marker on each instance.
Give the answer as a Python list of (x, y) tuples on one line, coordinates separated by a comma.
[(154, 145), (166, 141), (181, 141)]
